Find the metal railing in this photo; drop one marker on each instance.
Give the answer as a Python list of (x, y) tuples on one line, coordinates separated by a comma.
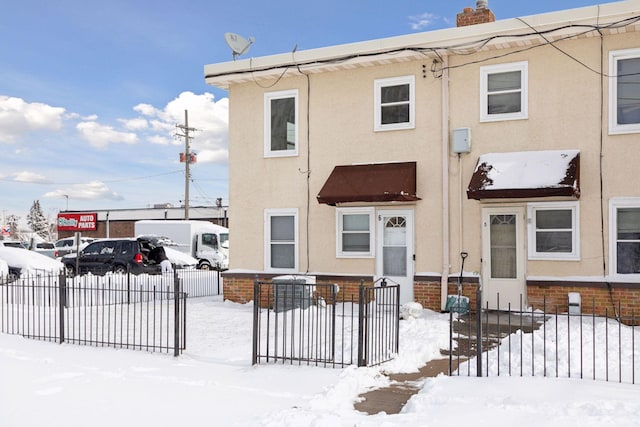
[(541, 341), (141, 312), (323, 326)]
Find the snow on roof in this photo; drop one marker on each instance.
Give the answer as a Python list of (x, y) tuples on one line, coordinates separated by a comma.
[(502, 173)]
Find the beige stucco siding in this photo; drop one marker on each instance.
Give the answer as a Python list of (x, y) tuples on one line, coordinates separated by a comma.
[(341, 133), (564, 113), (566, 110)]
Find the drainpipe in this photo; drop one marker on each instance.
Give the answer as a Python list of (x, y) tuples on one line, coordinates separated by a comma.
[(444, 280), (107, 225)]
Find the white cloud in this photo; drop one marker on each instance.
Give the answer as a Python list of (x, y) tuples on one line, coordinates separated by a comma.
[(135, 124), (159, 140), (91, 191), (30, 177), (18, 117), (422, 21), (209, 119), (100, 136), (146, 109), (213, 156)]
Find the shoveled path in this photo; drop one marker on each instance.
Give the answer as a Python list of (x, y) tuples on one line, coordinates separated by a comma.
[(391, 399)]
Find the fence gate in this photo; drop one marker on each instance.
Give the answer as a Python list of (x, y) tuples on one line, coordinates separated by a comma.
[(318, 324)]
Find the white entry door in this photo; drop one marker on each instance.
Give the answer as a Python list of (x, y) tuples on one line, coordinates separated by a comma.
[(394, 254), (503, 258)]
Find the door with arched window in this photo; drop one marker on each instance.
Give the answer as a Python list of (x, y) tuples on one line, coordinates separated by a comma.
[(394, 255), (503, 262)]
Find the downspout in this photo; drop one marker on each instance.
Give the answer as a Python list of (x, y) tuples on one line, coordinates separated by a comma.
[(444, 279)]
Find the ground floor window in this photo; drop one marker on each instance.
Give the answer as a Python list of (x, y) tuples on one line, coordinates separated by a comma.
[(625, 236), (281, 239), (554, 231), (354, 235)]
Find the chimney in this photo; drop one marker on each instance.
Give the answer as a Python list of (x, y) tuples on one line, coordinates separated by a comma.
[(481, 15)]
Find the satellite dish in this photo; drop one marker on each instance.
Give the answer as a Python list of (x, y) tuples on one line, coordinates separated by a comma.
[(238, 44)]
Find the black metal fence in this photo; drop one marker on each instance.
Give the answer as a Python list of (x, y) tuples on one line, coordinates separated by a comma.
[(317, 324), (142, 312), (545, 342)]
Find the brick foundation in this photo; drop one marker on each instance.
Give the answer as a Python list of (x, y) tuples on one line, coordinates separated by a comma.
[(618, 299), (238, 287)]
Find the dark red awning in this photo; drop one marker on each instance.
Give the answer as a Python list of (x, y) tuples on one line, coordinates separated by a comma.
[(380, 182)]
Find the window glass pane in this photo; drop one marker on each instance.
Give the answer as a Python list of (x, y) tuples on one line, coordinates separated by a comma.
[(282, 256), (395, 114), (503, 247), (395, 232), (283, 122), (355, 222), (546, 219), (355, 242), (211, 240), (555, 241), (394, 261), (282, 229), (504, 103), (628, 223), (504, 81), (628, 85), (628, 257), (398, 93)]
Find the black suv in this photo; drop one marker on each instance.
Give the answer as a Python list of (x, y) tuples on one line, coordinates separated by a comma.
[(112, 255)]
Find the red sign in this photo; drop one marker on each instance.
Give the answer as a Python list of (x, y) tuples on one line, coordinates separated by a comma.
[(77, 221)]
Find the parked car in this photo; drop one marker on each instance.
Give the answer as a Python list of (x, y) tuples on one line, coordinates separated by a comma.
[(68, 245), (111, 255), (45, 248), (12, 244), (23, 261)]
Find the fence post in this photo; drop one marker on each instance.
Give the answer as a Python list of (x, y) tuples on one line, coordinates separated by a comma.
[(256, 304), (479, 331), (176, 314), (361, 326), (62, 301)]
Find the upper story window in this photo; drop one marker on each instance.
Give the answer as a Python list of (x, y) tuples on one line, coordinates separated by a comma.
[(394, 103), (281, 239), (354, 232), (504, 92), (554, 231), (624, 246), (281, 124), (624, 91)]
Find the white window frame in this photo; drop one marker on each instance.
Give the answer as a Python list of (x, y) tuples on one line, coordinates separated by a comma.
[(377, 105), (268, 214), (614, 57), (340, 213), (485, 72), (614, 204), (268, 97), (532, 208)]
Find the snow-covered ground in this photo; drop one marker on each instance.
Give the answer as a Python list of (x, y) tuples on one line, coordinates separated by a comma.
[(213, 383)]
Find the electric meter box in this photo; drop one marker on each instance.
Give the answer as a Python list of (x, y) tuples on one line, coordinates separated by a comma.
[(461, 140)]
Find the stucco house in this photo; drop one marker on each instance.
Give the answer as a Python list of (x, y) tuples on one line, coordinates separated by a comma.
[(514, 141)]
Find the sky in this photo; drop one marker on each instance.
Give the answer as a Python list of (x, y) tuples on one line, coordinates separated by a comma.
[(91, 92), (214, 383)]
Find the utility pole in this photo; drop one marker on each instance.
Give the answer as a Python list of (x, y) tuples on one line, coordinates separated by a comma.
[(185, 129)]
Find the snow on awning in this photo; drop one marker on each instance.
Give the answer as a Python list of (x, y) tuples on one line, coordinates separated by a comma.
[(526, 174), (379, 182)]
